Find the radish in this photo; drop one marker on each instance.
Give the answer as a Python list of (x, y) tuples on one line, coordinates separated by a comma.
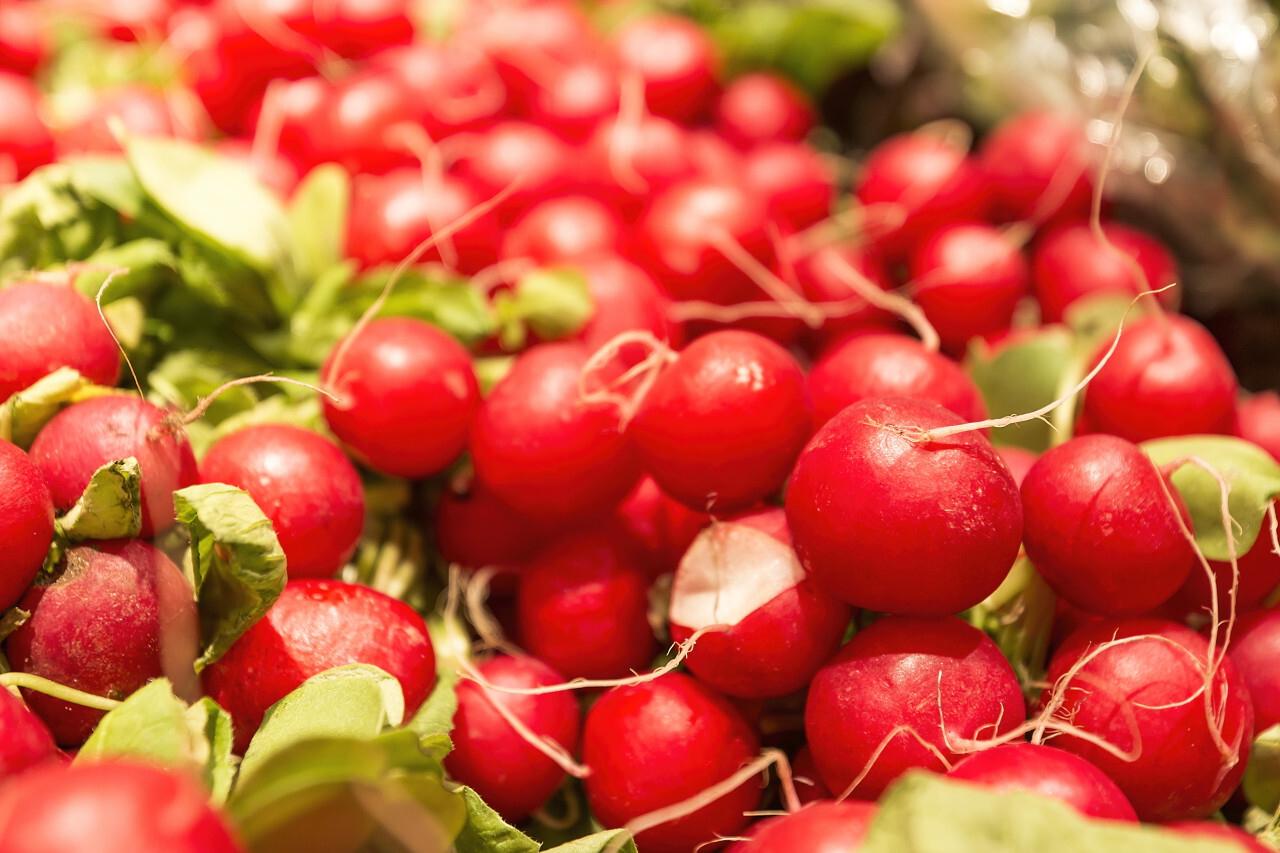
[(660, 528), (1259, 576), (563, 229), (1258, 420), (823, 276), (474, 529), (114, 806), (1099, 526), (356, 118), (582, 607), (407, 394), (780, 629), (114, 616), (25, 38), (575, 97), (1253, 650), (1139, 711), (1018, 459), (627, 160), (763, 107), (509, 774), (303, 483), (722, 425), (26, 523), (677, 61), (316, 625), (25, 140), (143, 111), (541, 450), (624, 297), (1167, 376), (1039, 167), (527, 42), (656, 744), (825, 827), (27, 741), (455, 87), (796, 183), (1049, 772), (512, 151), (890, 365), (1070, 263), (276, 171), (808, 781), (907, 692), (89, 434)]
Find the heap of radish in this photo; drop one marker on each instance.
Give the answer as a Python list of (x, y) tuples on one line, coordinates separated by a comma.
[(506, 426)]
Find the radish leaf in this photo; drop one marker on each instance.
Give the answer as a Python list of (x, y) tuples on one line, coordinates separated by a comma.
[(111, 505), (487, 832), (1023, 377)]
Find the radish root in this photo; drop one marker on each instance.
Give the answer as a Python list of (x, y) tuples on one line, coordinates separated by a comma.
[(643, 375)]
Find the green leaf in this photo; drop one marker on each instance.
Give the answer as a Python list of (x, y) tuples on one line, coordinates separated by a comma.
[(149, 262), (433, 721), (487, 832), (220, 772), (598, 843), (318, 219), (26, 412), (927, 813), (455, 306), (237, 562), (1250, 472), (111, 505), (1262, 776), (355, 701), (553, 303), (1023, 377)]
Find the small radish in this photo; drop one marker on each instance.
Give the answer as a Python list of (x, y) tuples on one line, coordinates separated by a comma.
[(797, 185), (1175, 751), (26, 523), (357, 117), (629, 160), (116, 615), (25, 140), (1258, 420), (1050, 772), (25, 38), (527, 42), (534, 158), (763, 107), (407, 394), (1018, 459), (677, 61), (563, 229), (659, 527), (543, 451), (658, 743), (509, 774), (83, 437), (826, 827), (890, 365), (1167, 376), (26, 740), (316, 625), (575, 97), (455, 87), (1039, 167), (475, 530), (303, 483), (582, 607), (808, 781), (722, 425), (1253, 650), (1100, 528), (114, 806), (623, 297), (823, 276), (907, 692), (884, 521), (743, 574)]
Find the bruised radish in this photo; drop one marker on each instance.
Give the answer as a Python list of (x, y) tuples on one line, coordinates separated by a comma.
[(723, 424), (509, 774), (1181, 753), (763, 107), (884, 521), (25, 741), (45, 326), (303, 483), (582, 606), (115, 806), (563, 229), (677, 61), (406, 396), (825, 827), (25, 140), (26, 523), (316, 625), (902, 683), (890, 365), (781, 629), (1047, 771), (1070, 263), (1039, 167), (543, 451), (114, 616), (1167, 376), (659, 743), (1254, 647), (83, 437), (1100, 528), (660, 528)]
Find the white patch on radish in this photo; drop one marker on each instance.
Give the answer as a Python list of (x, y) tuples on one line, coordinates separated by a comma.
[(729, 572)]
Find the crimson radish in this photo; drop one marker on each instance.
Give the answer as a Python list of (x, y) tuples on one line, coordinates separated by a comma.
[(26, 740), (1038, 165), (1253, 650), (26, 523), (659, 527), (474, 529), (1259, 576), (763, 107), (808, 781), (677, 61), (797, 185), (563, 229)]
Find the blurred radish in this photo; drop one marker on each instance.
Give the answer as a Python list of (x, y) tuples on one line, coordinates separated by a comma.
[(808, 781), (1218, 832), (823, 276), (1039, 167), (796, 183), (25, 38), (25, 741), (677, 61), (143, 111), (1258, 420), (276, 171), (763, 107), (455, 87), (563, 229), (825, 827), (623, 297), (1253, 650), (576, 97), (629, 160), (1047, 771), (26, 523), (25, 140), (512, 151), (475, 530)]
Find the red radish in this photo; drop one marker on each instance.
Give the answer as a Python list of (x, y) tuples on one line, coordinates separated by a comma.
[(1254, 645), (1220, 833), (582, 607), (712, 155), (898, 685), (660, 527), (509, 774), (721, 427), (677, 61), (884, 521), (300, 111), (763, 107), (44, 326), (27, 741), (628, 160), (968, 279), (576, 97), (143, 111), (358, 117), (350, 28), (914, 182), (743, 573), (407, 395), (26, 522), (527, 42), (316, 625), (114, 806), (455, 87), (276, 171), (475, 530), (1018, 459), (623, 297), (543, 451), (83, 437), (25, 141), (303, 483), (563, 229), (825, 827), (1099, 527), (116, 615), (1259, 569), (1167, 376), (808, 781), (1049, 772), (1258, 420), (25, 42), (391, 214), (656, 744), (890, 365), (1070, 263), (1039, 167), (515, 151), (795, 182), (823, 276), (1146, 698)]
